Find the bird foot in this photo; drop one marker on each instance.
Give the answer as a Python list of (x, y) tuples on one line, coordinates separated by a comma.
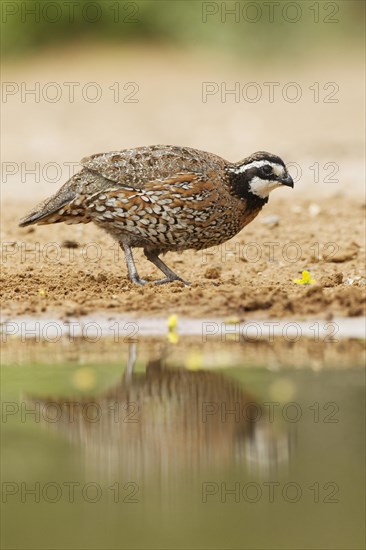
[(138, 281)]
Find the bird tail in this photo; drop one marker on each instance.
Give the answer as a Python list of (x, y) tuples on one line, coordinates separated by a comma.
[(46, 211)]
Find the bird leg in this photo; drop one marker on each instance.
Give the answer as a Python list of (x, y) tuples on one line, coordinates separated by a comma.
[(170, 275), (132, 271), (128, 373)]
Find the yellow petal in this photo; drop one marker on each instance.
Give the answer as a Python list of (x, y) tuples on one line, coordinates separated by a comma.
[(173, 337), (305, 279), (172, 322)]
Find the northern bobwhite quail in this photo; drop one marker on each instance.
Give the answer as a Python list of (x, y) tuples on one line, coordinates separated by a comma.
[(164, 198)]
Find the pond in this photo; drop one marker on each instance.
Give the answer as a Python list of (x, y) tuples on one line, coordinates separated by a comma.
[(183, 444)]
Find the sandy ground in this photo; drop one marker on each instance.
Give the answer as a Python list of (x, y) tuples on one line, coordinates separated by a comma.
[(319, 225), (251, 276)]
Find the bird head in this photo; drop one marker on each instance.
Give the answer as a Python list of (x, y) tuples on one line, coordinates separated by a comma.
[(263, 172)]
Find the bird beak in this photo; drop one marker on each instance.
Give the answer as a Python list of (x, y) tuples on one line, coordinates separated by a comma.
[(288, 181)]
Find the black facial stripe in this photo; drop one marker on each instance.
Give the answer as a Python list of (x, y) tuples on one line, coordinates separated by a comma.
[(239, 183)]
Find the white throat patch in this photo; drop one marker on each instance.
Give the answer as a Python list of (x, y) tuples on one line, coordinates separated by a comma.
[(262, 188), (259, 186)]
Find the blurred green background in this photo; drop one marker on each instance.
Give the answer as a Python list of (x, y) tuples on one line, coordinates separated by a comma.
[(239, 28)]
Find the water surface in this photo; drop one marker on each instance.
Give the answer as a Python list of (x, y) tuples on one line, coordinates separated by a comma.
[(193, 445)]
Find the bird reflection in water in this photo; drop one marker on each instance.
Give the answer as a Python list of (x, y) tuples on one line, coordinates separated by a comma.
[(169, 421)]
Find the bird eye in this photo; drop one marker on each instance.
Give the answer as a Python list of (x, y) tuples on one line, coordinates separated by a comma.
[(267, 169)]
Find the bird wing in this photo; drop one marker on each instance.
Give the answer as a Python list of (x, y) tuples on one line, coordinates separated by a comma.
[(154, 167), (179, 186), (137, 167), (185, 197)]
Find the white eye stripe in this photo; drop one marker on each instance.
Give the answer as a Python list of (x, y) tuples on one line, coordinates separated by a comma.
[(256, 164), (278, 169)]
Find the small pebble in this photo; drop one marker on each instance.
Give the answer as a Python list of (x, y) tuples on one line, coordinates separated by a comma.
[(271, 221), (100, 278), (334, 279), (213, 273), (314, 210)]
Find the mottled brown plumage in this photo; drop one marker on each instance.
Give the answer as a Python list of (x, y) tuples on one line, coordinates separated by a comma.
[(164, 198)]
